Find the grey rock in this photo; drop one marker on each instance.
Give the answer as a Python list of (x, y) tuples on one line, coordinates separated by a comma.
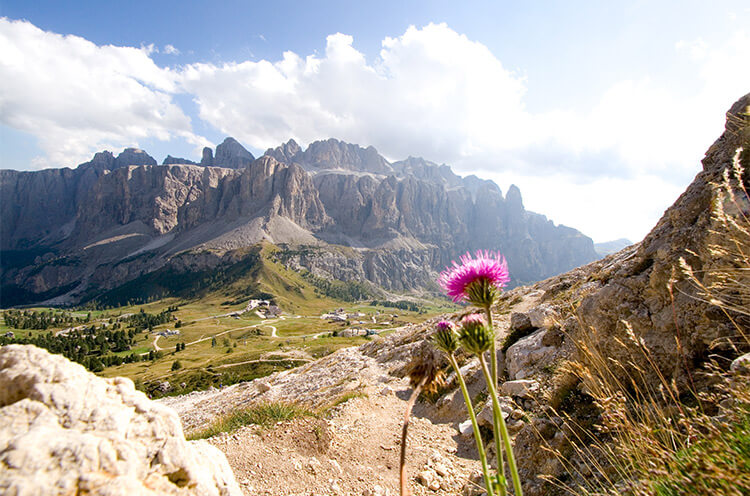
[(133, 156), (741, 365), (543, 315), (170, 160), (520, 322), (529, 355), (207, 158)]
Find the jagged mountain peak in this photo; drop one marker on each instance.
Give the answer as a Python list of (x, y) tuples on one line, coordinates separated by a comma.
[(513, 196), (332, 154), (229, 154), (105, 160)]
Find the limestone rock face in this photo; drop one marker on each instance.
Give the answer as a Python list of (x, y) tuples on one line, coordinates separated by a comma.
[(207, 158), (66, 431), (332, 154)]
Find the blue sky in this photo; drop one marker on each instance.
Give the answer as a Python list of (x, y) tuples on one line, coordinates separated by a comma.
[(599, 111)]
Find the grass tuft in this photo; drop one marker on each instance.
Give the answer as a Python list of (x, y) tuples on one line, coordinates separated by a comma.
[(262, 414)]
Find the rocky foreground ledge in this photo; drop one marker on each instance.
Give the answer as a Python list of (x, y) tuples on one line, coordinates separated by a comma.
[(65, 431)]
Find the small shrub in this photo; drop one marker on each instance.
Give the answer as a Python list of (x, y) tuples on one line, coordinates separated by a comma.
[(176, 365)]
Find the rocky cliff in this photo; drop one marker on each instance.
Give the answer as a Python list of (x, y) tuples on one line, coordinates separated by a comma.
[(64, 230)]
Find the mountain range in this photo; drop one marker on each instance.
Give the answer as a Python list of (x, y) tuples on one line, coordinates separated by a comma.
[(334, 209)]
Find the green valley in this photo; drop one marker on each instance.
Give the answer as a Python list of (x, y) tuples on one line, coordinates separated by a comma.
[(191, 332)]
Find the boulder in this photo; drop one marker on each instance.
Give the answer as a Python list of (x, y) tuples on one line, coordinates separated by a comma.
[(485, 416), (543, 316), (529, 355), (65, 431), (520, 322), (522, 388)]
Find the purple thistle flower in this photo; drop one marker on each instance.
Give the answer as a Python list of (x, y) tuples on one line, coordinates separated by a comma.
[(444, 325), (476, 280)]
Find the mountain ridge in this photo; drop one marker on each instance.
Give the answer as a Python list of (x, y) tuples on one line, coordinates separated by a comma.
[(410, 217)]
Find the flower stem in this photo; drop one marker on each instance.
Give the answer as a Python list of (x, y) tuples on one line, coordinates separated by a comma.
[(475, 427), (493, 350), (497, 415), (404, 431), (495, 430)]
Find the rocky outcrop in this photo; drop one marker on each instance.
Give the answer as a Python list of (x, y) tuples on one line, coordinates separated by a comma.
[(65, 431), (637, 290), (393, 210), (207, 159), (285, 153), (636, 308)]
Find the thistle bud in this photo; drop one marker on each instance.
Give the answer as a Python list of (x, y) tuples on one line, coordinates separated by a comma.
[(445, 337), (481, 293), (474, 335)]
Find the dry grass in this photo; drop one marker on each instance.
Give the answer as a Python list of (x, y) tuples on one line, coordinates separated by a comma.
[(651, 437)]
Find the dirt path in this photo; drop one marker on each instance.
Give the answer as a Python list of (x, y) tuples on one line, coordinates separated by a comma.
[(353, 452), (156, 344)]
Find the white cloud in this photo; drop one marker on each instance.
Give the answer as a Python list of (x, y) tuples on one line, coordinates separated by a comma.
[(76, 97), (434, 92), (171, 50), (431, 91)]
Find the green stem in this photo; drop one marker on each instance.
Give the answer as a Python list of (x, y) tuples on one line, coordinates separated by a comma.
[(496, 429), (474, 425), (497, 414), (493, 350)]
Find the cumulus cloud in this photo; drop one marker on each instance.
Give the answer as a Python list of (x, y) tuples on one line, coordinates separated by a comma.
[(436, 93), (430, 91), (76, 97)]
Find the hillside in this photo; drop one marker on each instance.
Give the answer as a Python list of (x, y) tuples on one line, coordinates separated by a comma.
[(340, 211)]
